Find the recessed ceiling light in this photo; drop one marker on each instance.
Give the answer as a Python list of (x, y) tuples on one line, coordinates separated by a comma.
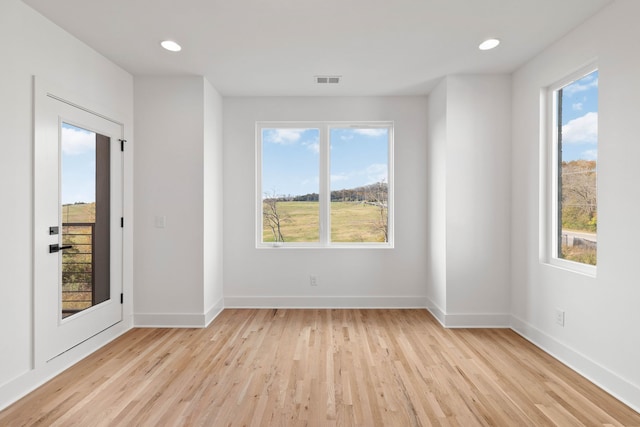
[(489, 44), (171, 45)]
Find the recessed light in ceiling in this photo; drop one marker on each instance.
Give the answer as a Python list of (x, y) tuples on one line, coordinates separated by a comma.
[(489, 44), (171, 46)]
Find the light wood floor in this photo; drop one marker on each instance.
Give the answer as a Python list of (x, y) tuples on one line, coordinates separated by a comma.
[(319, 368)]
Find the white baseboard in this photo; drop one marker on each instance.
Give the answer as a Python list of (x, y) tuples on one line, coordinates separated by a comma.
[(607, 380), (213, 312), (325, 302), (462, 320), (436, 312), (178, 320), (169, 320), (489, 320), (28, 381)]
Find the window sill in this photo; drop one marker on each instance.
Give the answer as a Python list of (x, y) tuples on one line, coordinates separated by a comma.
[(320, 246), (573, 267)]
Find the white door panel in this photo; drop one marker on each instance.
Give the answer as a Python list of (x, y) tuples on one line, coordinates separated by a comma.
[(66, 311)]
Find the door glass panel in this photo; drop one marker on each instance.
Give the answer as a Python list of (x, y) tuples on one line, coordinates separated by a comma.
[(85, 200)]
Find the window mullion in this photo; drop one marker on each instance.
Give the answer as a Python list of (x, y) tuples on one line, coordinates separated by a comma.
[(325, 187)]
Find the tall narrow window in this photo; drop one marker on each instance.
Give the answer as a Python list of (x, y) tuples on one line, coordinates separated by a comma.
[(575, 124), (324, 184)]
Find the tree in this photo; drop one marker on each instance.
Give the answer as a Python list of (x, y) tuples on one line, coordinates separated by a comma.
[(378, 196), (272, 218), (579, 196)]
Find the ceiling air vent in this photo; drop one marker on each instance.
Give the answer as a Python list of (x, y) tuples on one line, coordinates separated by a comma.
[(327, 79)]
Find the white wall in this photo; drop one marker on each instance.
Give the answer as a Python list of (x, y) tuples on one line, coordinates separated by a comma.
[(35, 46), (278, 277), (469, 154), (177, 122), (478, 198), (437, 198), (600, 337), (213, 152)]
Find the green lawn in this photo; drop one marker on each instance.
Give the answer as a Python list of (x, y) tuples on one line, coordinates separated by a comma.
[(81, 212), (350, 222)]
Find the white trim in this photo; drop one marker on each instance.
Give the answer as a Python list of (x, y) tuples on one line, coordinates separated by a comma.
[(436, 312), (178, 320), (474, 320), (453, 321), (169, 320), (469, 320), (544, 178), (571, 77), (325, 302), (573, 266), (213, 312), (625, 391)]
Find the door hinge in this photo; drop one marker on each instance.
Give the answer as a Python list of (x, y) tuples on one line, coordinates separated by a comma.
[(121, 222), (122, 141), (121, 298)]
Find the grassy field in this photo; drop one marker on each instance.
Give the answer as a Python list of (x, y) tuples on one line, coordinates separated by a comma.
[(350, 222), (81, 212), (579, 254)]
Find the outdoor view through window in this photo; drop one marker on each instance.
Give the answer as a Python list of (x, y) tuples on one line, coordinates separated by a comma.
[(325, 184), (78, 193), (577, 147)]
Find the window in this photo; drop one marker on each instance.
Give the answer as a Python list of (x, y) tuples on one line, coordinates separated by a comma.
[(574, 221), (324, 184)]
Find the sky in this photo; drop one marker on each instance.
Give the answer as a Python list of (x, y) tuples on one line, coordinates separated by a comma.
[(580, 119), (78, 165), (291, 157)]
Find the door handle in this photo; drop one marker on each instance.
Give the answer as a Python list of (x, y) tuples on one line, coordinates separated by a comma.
[(56, 248)]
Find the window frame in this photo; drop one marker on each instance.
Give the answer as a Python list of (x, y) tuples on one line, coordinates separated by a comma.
[(551, 206), (324, 189)]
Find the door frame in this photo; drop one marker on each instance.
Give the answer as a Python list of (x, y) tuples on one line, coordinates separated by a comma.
[(43, 92)]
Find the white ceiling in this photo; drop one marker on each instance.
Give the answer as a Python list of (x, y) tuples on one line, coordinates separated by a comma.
[(275, 47)]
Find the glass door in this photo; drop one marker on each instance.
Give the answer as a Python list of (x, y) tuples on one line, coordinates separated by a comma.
[(77, 225)]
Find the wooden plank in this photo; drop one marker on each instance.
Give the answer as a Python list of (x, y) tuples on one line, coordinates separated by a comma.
[(319, 367)]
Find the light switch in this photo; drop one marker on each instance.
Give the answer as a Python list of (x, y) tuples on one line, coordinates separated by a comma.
[(161, 221)]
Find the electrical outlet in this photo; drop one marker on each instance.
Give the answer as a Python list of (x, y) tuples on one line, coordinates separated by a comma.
[(313, 280), (560, 317), (161, 221)]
